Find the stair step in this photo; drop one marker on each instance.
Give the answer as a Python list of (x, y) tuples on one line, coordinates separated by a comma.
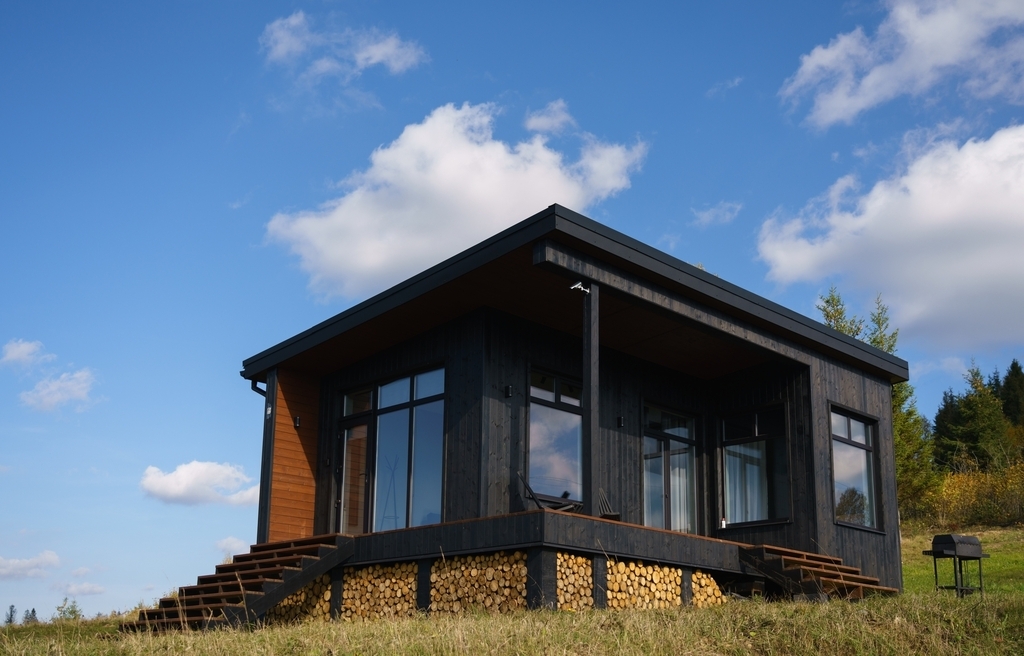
[(837, 576), (790, 562), (329, 539), (286, 561), (275, 573), (771, 550), (315, 550), (229, 586)]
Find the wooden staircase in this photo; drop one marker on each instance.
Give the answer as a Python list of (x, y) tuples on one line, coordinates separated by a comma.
[(243, 590), (806, 576)]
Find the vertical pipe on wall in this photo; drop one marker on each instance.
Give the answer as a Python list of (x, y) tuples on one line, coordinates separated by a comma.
[(591, 395), (266, 466)]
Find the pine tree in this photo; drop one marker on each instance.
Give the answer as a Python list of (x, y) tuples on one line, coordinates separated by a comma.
[(29, 617), (980, 429), (912, 443), (833, 312), (11, 616), (1012, 393), (949, 453)]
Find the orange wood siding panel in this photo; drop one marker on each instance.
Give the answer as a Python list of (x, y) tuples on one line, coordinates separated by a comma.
[(293, 477)]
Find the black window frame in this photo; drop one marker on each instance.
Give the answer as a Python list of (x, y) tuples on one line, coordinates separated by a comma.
[(871, 425), (665, 440), (757, 436), (370, 419), (557, 404)]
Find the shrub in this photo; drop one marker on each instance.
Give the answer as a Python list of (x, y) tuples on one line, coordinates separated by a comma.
[(975, 497)]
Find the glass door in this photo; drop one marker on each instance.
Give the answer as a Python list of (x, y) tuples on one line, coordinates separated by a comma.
[(351, 481)]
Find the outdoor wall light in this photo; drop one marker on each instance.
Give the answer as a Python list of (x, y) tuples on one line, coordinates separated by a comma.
[(296, 419)]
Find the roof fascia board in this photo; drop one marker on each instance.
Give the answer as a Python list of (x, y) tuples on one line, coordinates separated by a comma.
[(522, 233), (677, 273)]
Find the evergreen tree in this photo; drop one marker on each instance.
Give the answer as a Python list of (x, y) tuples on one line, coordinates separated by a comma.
[(1012, 393), (833, 313), (980, 430), (949, 453), (912, 443), (11, 616), (30, 617)]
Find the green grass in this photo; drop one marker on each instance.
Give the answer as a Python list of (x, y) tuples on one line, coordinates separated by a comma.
[(1004, 570), (921, 621)]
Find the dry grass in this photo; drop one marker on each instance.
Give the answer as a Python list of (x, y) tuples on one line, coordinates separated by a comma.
[(913, 623)]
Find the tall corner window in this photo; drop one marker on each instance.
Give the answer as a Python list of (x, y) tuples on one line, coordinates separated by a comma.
[(853, 445), (554, 462), (391, 455), (669, 483), (756, 465)]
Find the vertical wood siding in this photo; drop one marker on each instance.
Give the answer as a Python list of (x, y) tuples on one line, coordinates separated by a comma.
[(293, 480)]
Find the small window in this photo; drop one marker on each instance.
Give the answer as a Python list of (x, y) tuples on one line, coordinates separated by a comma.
[(554, 460), (756, 466), (853, 470), (669, 473)]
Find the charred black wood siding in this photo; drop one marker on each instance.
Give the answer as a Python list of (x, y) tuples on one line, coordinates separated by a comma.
[(458, 347)]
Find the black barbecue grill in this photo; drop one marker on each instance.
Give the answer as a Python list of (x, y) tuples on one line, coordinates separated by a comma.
[(961, 549)]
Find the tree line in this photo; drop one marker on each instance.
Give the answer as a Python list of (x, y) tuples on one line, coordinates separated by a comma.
[(979, 431)]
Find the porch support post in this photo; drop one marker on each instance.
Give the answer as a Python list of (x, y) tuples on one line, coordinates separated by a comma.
[(591, 398), (267, 464)]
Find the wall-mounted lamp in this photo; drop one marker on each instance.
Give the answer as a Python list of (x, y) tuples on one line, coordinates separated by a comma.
[(296, 420), (620, 421), (508, 391)]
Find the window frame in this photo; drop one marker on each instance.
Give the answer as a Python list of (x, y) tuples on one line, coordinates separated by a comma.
[(370, 417), (665, 451), (725, 441), (871, 424), (557, 404)]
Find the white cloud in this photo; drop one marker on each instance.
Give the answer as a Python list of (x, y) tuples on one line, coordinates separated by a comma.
[(314, 55), (373, 47), (723, 212), (948, 365), (941, 240), (53, 392), (723, 86), (553, 118), (81, 571), (200, 482), (920, 43), (24, 568), (82, 589), (232, 545), (440, 187), (23, 353)]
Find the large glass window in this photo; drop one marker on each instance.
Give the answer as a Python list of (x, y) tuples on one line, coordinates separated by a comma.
[(406, 463), (556, 434), (756, 466), (669, 483), (853, 443)]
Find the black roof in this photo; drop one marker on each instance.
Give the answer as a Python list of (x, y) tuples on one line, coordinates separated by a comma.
[(592, 238)]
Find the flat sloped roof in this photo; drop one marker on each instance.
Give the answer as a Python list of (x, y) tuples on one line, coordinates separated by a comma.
[(468, 280)]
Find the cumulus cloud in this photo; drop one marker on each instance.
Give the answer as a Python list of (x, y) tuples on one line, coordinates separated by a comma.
[(81, 589), (53, 392), (232, 545), (942, 241), (440, 187), (81, 571), (198, 482), (553, 118), (28, 568), (315, 55), (919, 43), (723, 212), (23, 353)]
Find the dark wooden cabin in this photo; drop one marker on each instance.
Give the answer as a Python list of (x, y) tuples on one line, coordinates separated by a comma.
[(563, 387)]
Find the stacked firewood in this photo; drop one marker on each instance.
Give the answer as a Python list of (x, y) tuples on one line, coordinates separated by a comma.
[(575, 582), (705, 590), (496, 582), (311, 602), (379, 591), (635, 585)]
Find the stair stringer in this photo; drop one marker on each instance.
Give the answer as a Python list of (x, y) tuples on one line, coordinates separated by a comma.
[(255, 606)]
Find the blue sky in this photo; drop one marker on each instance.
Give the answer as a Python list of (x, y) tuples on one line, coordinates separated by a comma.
[(185, 184)]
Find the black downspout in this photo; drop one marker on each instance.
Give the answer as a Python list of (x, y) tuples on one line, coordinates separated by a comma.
[(266, 466)]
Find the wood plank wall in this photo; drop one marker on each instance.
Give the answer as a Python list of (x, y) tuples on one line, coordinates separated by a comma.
[(292, 482)]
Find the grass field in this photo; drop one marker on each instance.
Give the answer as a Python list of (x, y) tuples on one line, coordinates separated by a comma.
[(919, 621)]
